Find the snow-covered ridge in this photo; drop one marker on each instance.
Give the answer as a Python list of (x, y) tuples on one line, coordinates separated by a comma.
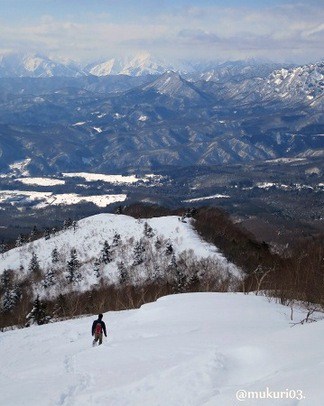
[(189, 349), (306, 81), (88, 237)]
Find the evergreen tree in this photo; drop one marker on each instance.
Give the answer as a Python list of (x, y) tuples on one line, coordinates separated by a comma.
[(148, 231), (49, 279), (169, 249), (55, 256), (73, 266), (139, 250), (19, 241), (106, 256), (180, 280), (173, 262), (10, 297), (158, 243), (119, 210), (74, 225), (8, 300), (177, 275), (2, 247), (194, 280), (116, 240), (5, 280), (123, 273), (47, 234), (38, 314), (34, 264), (156, 275), (96, 268), (33, 234), (67, 223)]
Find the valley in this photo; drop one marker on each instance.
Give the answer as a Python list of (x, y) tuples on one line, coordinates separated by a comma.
[(276, 200)]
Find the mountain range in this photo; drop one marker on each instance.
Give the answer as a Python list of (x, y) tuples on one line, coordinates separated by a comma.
[(41, 66), (117, 122)]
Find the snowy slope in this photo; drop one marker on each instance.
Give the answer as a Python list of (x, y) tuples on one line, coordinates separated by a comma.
[(90, 234), (190, 349)]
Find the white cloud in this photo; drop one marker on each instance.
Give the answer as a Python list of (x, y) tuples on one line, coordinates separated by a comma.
[(294, 31)]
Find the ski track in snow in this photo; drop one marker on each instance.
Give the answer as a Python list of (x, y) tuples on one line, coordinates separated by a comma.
[(190, 349)]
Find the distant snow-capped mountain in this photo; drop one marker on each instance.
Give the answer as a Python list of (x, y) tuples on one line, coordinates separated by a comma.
[(141, 64), (35, 65), (236, 70), (303, 82)]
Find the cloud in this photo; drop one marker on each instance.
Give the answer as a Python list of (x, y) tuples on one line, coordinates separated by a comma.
[(294, 31)]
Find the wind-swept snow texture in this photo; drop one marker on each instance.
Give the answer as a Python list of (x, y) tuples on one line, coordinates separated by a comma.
[(188, 349)]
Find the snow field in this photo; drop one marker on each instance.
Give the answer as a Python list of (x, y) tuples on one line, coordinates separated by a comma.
[(189, 349)]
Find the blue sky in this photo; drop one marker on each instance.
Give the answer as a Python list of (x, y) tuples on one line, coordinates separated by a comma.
[(87, 30)]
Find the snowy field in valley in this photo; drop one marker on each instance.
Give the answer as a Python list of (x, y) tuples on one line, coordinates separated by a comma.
[(90, 234), (115, 179), (41, 181), (189, 349), (44, 199)]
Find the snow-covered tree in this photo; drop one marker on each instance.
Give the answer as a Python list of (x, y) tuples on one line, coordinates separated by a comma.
[(180, 282), (158, 243), (116, 240), (156, 274), (5, 279), (33, 233), (47, 234), (74, 225), (9, 300), (49, 279), (169, 249), (177, 275), (148, 230), (2, 247), (123, 273), (96, 268), (11, 294), (38, 314), (119, 210), (20, 240), (67, 223), (55, 256), (106, 256), (73, 265), (34, 264), (138, 252)]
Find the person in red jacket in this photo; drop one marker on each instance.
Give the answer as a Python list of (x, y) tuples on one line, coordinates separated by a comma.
[(98, 328)]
